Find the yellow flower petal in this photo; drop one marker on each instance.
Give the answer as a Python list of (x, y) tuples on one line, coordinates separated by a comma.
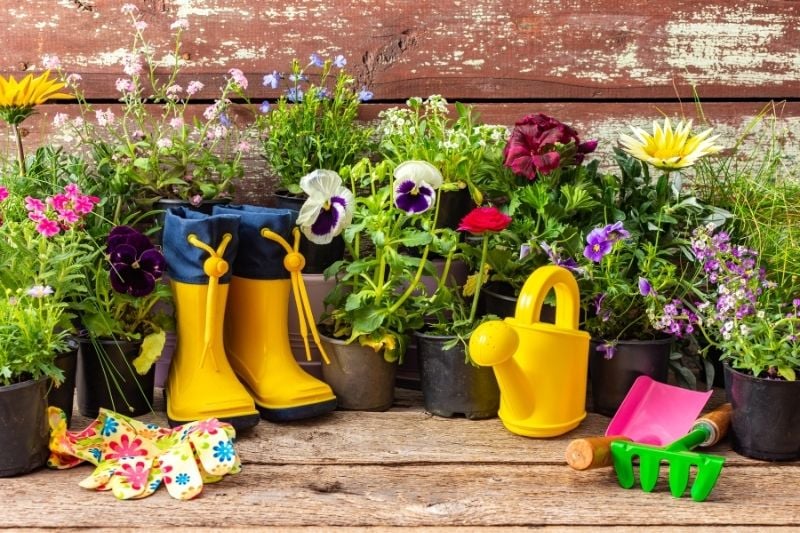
[(669, 147)]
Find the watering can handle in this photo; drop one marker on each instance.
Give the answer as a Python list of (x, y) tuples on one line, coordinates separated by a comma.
[(531, 298)]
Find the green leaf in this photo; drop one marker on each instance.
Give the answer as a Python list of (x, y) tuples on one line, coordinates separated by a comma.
[(367, 319), (787, 373)]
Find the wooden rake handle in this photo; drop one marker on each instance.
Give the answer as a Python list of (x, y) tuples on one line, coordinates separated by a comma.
[(594, 452)]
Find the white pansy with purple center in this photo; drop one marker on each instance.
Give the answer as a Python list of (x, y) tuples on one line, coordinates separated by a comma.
[(329, 208), (415, 184)]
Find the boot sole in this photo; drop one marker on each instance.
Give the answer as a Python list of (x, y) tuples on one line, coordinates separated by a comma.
[(290, 414), (239, 423)]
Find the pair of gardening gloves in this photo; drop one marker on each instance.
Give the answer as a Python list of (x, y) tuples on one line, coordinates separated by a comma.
[(133, 459)]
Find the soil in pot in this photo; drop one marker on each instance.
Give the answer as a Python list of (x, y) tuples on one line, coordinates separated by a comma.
[(450, 385), (612, 378), (106, 378), (765, 422), (24, 433), (361, 379)]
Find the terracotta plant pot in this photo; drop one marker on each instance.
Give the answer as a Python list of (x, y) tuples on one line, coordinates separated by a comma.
[(361, 379), (106, 378), (24, 433), (765, 422), (612, 378)]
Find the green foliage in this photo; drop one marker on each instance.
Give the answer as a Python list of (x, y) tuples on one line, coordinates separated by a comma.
[(466, 152), (316, 128)]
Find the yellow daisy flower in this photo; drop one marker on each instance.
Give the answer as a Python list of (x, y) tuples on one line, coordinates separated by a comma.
[(669, 149), (18, 98)]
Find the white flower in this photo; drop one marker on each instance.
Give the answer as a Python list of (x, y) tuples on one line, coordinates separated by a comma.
[(40, 291), (140, 25), (129, 9), (329, 208), (176, 122), (59, 119), (50, 62), (104, 118), (415, 184), (194, 87), (164, 143)]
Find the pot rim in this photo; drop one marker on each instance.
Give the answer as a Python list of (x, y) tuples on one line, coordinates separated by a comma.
[(423, 335), (488, 288), (178, 201), (106, 341), (23, 384), (633, 342), (749, 377)]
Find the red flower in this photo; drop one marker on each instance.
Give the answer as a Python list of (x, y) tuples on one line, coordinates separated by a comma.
[(483, 219), (537, 145), (125, 448)]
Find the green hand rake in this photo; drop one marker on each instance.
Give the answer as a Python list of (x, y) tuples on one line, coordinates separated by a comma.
[(602, 451)]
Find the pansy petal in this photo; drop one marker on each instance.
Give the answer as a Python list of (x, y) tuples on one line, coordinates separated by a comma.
[(418, 172), (122, 253), (153, 261), (321, 181)]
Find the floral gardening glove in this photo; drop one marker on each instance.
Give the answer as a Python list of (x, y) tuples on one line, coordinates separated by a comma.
[(133, 458)]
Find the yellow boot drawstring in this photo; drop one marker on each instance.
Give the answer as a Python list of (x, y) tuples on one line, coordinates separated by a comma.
[(294, 263), (214, 267)]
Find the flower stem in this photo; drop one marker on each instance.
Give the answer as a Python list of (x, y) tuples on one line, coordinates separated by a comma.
[(20, 151), (479, 281)]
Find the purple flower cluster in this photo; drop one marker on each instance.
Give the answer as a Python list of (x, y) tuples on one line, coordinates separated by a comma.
[(555, 258), (295, 93)]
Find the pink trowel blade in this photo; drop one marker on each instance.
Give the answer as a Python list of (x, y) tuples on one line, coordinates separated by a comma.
[(656, 413)]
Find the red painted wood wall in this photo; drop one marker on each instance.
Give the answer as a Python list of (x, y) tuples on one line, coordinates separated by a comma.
[(599, 65)]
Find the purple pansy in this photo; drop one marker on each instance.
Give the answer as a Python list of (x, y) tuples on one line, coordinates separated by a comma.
[(329, 208), (415, 186), (136, 264), (615, 232)]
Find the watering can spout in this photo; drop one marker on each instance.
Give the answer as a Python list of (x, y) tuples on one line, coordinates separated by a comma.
[(541, 368)]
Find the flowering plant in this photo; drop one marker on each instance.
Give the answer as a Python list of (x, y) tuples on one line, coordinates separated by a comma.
[(736, 307), (550, 195), (388, 242), (313, 125), (124, 292), (641, 250), (463, 150), (158, 151), (445, 310)]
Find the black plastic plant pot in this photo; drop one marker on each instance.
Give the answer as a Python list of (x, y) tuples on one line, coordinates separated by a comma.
[(500, 299), (453, 206), (765, 422), (318, 256), (24, 434), (611, 379), (452, 387), (106, 378), (63, 396)]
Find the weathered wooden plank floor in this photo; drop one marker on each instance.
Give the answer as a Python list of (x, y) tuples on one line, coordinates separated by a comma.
[(406, 468)]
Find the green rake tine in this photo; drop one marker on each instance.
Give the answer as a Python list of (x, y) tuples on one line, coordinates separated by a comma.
[(649, 467), (707, 474), (623, 464), (678, 476)]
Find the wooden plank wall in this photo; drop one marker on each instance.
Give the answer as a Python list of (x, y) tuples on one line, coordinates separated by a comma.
[(599, 65)]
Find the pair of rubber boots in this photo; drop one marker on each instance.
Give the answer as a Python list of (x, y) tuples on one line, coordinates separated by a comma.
[(231, 289)]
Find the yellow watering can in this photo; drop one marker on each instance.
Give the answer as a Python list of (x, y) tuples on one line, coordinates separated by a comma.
[(541, 368)]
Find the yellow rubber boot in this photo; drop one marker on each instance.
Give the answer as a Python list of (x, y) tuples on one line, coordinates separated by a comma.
[(201, 383), (256, 320)]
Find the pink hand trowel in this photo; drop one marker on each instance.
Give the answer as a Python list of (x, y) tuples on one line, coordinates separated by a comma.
[(656, 413)]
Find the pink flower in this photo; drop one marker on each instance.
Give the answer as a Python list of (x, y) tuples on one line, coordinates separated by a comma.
[(77, 122), (136, 475), (124, 85), (140, 25), (209, 426), (176, 122), (47, 227), (72, 190), (194, 87), (34, 204), (60, 202), (173, 91), (3, 193), (73, 79), (238, 77), (132, 64), (104, 118), (85, 204), (36, 216), (68, 216), (164, 143), (220, 131), (196, 200), (180, 24), (125, 448), (244, 147), (129, 9), (50, 62), (212, 111)]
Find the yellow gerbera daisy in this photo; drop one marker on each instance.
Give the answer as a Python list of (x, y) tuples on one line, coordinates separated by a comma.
[(669, 149), (18, 98)]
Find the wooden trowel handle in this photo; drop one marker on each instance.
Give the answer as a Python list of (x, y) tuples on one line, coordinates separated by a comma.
[(716, 423), (591, 452)]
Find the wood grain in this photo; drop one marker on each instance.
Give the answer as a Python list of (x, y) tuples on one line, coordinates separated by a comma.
[(483, 49)]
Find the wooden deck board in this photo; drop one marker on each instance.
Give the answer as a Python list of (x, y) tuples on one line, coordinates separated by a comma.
[(407, 468)]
